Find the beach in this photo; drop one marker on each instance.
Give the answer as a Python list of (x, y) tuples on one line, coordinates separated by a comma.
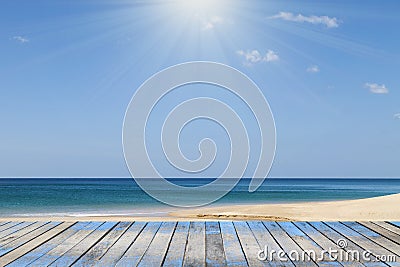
[(384, 208)]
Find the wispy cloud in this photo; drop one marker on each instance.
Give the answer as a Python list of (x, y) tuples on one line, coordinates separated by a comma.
[(20, 39), (377, 88), (329, 22), (211, 23), (254, 56), (397, 116), (313, 69)]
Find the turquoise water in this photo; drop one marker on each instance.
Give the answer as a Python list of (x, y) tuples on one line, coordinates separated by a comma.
[(123, 196)]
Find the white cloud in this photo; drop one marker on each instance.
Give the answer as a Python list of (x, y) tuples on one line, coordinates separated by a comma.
[(329, 22), (211, 23), (313, 69), (397, 116), (377, 88), (271, 56), (254, 56), (21, 39)]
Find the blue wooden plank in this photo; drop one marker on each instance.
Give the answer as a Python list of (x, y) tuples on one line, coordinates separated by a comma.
[(14, 229), (234, 254), (176, 250), (135, 252), (8, 225), (395, 223), (215, 255), (114, 254), (19, 234), (79, 245), (35, 254), (2, 223), (28, 237), (362, 241), (314, 250)]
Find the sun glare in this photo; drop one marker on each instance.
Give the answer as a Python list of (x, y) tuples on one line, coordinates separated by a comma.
[(201, 5)]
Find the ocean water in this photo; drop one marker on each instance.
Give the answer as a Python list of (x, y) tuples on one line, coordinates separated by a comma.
[(76, 197)]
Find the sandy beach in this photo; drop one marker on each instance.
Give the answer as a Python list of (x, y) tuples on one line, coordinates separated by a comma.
[(385, 208)]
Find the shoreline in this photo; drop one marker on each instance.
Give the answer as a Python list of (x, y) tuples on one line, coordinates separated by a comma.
[(383, 208)]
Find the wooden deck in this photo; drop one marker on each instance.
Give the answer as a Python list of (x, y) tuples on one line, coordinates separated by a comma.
[(221, 243)]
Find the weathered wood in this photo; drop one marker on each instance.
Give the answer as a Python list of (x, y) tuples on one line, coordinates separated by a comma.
[(195, 254), (249, 243), (361, 241), (383, 233), (100, 248), (268, 244), (135, 252), (389, 227), (176, 249), (287, 244), (388, 244), (59, 249), (87, 241), (325, 243), (36, 242), (7, 239), (195, 244), (215, 255), (114, 254), (40, 251), (26, 238), (14, 229), (8, 225), (233, 250), (335, 236), (310, 249), (155, 253)]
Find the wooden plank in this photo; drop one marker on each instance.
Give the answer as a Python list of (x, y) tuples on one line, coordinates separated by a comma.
[(375, 236), (157, 250), (26, 238), (114, 254), (234, 254), (351, 246), (397, 224), (361, 241), (389, 226), (311, 250), (195, 253), (40, 251), (325, 243), (248, 243), (14, 229), (2, 223), (135, 252), (384, 232), (267, 243), (215, 255), (287, 244), (176, 250), (85, 243), (8, 225), (36, 242), (57, 251), (97, 251), (7, 239)]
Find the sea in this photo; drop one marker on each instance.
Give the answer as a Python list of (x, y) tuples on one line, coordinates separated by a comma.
[(122, 196)]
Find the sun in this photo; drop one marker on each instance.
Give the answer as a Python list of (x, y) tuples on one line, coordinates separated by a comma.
[(201, 6)]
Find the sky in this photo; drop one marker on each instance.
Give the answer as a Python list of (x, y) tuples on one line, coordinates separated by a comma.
[(329, 70)]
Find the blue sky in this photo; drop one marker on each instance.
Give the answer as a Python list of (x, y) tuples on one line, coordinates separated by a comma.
[(330, 71)]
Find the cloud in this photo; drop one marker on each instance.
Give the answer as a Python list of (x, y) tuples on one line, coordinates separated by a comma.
[(20, 39), (397, 116), (377, 88), (254, 56), (313, 69), (211, 23), (329, 22)]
